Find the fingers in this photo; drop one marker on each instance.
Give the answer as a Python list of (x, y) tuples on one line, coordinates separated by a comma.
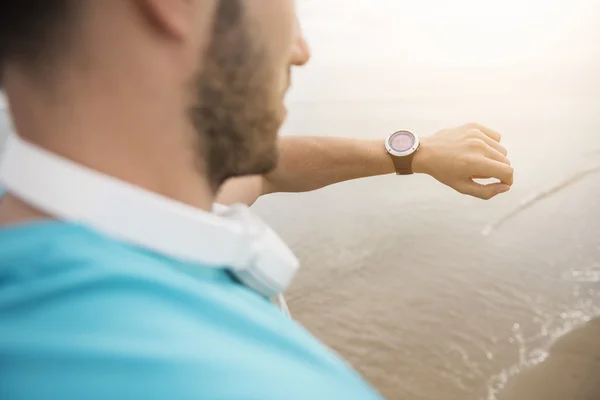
[(495, 169), (492, 134), (472, 151), (489, 136), (492, 143), (495, 155), (480, 191)]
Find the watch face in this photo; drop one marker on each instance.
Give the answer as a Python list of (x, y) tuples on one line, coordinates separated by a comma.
[(402, 143)]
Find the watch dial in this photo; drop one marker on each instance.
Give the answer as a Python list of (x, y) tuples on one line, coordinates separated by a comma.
[(402, 141)]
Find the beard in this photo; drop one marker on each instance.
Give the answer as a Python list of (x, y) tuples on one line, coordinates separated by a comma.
[(238, 110)]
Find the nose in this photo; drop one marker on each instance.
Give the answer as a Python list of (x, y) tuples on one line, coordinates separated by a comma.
[(300, 51)]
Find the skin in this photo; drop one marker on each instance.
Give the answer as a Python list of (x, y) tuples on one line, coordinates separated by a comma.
[(454, 157), (107, 99)]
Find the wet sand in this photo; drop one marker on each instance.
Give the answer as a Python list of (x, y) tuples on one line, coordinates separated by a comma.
[(436, 309), (433, 295), (572, 372)]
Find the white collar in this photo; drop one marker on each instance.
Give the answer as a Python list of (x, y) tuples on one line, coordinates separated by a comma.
[(126, 212)]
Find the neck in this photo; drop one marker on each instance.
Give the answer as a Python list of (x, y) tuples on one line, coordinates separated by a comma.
[(119, 131)]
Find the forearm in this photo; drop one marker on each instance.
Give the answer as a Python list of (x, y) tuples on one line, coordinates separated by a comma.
[(453, 157), (309, 163)]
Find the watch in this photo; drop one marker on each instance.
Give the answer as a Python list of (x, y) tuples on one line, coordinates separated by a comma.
[(402, 146)]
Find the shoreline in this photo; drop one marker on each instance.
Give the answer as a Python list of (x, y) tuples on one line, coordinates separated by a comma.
[(569, 373)]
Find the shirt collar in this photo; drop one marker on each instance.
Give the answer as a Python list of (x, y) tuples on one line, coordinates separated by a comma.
[(126, 212)]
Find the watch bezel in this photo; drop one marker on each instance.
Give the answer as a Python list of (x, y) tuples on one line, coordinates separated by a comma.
[(404, 153)]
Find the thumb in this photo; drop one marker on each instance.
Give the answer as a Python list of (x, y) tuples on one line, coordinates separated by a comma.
[(480, 191)]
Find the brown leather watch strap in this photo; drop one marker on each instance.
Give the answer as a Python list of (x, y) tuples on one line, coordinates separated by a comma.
[(404, 164)]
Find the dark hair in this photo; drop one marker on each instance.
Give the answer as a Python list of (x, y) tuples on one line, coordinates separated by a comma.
[(32, 31)]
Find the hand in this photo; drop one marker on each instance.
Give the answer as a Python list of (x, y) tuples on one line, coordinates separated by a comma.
[(455, 157)]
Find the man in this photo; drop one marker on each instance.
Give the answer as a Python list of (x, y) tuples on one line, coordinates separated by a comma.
[(117, 279), (453, 157)]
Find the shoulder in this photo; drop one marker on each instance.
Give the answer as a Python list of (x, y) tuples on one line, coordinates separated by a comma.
[(81, 314), (93, 319)]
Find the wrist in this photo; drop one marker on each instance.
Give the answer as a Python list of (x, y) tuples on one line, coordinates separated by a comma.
[(422, 158), (404, 151), (383, 162)]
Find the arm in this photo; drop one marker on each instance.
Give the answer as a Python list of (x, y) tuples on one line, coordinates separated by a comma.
[(310, 163), (454, 157)]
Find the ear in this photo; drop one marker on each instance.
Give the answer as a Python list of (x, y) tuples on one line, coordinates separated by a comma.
[(171, 17)]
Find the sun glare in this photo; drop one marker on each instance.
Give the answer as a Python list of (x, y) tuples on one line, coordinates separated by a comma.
[(460, 31)]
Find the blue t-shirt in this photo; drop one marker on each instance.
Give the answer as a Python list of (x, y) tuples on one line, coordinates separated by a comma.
[(83, 316)]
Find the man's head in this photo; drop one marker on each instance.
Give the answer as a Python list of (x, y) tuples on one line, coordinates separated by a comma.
[(223, 65)]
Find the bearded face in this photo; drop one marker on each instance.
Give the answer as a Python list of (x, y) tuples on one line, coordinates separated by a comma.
[(239, 98)]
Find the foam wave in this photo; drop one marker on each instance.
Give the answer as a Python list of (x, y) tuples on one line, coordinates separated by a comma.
[(535, 198)]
